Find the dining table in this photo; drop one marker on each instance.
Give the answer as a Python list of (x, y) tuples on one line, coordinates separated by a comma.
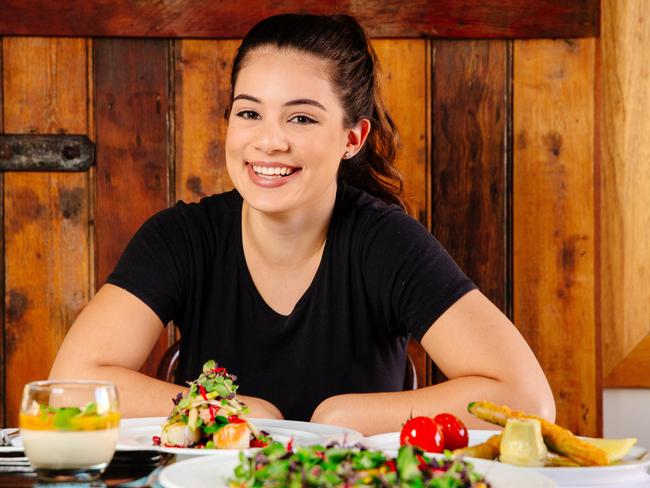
[(142, 467), (128, 469)]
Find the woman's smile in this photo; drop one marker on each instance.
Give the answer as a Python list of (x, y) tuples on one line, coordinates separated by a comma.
[(271, 174)]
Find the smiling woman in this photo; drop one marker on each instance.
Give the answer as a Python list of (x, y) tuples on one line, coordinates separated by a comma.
[(307, 280)]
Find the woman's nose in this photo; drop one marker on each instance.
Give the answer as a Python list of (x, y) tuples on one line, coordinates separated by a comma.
[(271, 138)]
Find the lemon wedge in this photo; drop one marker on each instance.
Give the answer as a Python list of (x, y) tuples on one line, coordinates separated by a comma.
[(615, 448)]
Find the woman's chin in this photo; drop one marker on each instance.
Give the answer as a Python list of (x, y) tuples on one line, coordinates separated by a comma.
[(271, 204)]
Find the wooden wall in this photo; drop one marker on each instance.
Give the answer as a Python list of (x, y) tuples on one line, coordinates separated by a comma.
[(497, 150), (624, 195)]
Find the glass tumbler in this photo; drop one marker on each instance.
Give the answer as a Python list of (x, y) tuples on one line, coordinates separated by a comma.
[(69, 428)]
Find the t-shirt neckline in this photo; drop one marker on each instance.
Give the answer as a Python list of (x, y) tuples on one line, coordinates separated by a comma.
[(317, 276)]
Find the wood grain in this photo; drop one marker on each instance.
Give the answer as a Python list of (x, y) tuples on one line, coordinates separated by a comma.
[(45, 214), (469, 174), (3, 357), (202, 73), (554, 247), (384, 18), (625, 195), (403, 63), (131, 110)]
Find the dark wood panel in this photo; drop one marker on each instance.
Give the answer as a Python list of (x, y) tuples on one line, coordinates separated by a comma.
[(131, 110), (469, 173), (384, 18)]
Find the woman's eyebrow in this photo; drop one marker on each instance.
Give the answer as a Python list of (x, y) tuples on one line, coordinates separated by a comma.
[(306, 101), (243, 96), (300, 101)]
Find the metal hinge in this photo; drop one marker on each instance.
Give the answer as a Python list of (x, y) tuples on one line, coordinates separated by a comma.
[(56, 152)]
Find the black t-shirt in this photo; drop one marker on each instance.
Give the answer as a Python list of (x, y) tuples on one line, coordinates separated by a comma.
[(382, 278)]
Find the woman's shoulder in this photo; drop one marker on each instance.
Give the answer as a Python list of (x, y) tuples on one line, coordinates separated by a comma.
[(213, 208), (210, 217), (365, 211)]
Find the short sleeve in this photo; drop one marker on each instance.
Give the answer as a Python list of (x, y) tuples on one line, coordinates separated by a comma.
[(154, 265), (409, 275)]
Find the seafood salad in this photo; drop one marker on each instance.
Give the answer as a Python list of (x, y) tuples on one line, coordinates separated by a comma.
[(210, 416)]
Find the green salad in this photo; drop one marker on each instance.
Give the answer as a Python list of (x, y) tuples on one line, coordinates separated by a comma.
[(336, 466)]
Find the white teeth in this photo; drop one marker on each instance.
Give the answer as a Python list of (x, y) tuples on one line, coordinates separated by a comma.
[(272, 171)]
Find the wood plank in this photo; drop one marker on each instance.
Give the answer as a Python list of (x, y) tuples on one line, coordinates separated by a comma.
[(624, 197), (469, 174), (3, 357), (46, 214), (384, 18), (202, 94), (554, 244), (131, 110), (403, 63), (633, 370)]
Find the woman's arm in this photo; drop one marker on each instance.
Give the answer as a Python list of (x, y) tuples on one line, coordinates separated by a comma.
[(110, 340), (484, 357)]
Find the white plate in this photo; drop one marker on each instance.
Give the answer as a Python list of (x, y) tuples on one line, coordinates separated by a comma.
[(212, 472), (136, 434), (633, 467)]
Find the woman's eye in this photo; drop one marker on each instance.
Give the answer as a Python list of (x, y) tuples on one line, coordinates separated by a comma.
[(248, 114), (303, 119)]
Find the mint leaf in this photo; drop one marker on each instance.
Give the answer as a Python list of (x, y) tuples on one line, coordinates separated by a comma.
[(90, 409), (62, 417)]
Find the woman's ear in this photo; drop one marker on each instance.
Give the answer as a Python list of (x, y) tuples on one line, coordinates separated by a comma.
[(357, 136)]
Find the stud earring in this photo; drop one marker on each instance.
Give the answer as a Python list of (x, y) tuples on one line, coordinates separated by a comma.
[(347, 155)]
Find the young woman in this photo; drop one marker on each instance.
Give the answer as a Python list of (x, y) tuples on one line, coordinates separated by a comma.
[(307, 280)]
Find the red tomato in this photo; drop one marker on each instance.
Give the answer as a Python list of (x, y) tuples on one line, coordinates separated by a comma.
[(453, 429), (424, 433)]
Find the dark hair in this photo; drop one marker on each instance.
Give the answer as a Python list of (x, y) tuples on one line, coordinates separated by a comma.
[(341, 40)]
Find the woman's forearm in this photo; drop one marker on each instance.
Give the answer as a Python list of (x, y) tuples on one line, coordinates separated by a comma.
[(373, 413), (143, 396), (140, 395)]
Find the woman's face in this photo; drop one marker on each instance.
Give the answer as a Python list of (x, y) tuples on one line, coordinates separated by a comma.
[(285, 134)]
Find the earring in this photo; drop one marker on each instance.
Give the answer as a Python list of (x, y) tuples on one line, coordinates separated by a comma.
[(347, 155)]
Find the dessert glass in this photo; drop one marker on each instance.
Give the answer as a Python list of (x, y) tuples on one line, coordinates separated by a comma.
[(69, 428)]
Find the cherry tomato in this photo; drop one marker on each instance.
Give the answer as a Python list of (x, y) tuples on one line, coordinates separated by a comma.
[(424, 433), (453, 429)]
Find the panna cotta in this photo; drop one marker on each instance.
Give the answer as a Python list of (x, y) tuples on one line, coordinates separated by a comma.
[(67, 438), (59, 449)]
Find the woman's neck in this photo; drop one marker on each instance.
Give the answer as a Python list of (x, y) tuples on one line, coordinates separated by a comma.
[(288, 240)]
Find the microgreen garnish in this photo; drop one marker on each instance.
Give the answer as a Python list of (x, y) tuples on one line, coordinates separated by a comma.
[(334, 465)]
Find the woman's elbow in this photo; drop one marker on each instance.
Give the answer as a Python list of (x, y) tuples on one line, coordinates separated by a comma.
[(537, 400)]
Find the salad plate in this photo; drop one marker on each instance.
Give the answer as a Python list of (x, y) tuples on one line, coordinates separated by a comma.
[(137, 434), (214, 472), (633, 467)]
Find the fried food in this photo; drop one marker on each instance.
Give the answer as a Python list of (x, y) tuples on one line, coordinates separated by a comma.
[(558, 439), (486, 450)]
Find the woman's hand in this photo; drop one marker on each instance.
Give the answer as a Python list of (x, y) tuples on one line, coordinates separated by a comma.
[(261, 409)]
